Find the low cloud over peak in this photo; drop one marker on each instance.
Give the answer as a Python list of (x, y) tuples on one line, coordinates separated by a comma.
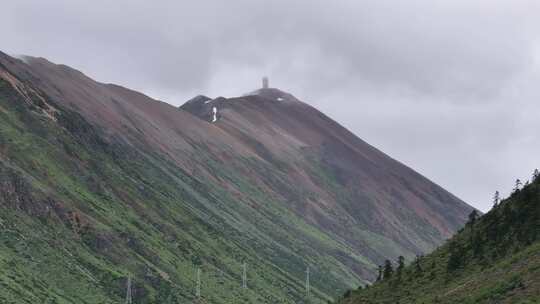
[(449, 87)]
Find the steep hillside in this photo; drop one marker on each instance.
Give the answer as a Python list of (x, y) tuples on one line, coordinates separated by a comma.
[(494, 259), (100, 183), (349, 183)]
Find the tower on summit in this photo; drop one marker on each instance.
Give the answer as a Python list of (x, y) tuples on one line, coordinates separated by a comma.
[(265, 82)]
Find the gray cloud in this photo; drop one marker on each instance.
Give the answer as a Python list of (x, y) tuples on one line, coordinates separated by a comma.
[(448, 87)]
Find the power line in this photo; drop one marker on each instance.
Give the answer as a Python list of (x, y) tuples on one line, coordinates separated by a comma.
[(220, 276)]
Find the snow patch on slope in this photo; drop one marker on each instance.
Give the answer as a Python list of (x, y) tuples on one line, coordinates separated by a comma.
[(214, 113)]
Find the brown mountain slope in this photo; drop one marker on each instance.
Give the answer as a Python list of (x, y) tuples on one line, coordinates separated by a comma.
[(294, 185), (384, 196)]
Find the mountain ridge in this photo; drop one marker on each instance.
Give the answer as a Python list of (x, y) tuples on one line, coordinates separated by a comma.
[(139, 187)]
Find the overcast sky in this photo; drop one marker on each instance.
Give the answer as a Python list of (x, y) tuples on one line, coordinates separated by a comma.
[(450, 88)]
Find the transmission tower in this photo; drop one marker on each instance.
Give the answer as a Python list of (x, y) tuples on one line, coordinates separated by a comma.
[(198, 287), (129, 299), (244, 275), (221, 278), (308, 287)]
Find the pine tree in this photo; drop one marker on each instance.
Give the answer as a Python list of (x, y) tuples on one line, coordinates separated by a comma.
[(536, 175), (417, 265), (477, 244), (380, 273), (496, 199), (518, 185), (388, 270), (473, 216), (455, 256), (401, 266)]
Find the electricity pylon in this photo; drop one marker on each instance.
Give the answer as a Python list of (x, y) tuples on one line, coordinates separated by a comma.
[(198, 287), (308, 287), (244, 275), (129, 299)]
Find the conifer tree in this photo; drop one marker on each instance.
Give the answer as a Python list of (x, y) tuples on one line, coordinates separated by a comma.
[(454, 258), (433, 268), (473, 216), (388, 270), (518, 185), (401, 265), (536, 175), (496, 199), (417, 265), (380, 273)]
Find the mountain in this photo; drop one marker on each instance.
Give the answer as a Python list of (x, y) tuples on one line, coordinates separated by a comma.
[(100, 183), (494, 259)]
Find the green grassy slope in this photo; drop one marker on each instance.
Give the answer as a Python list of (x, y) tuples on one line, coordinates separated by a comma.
[(99, 183), (494, 259), (79, 214)]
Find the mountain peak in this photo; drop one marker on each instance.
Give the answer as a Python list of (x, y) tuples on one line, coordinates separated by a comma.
[(274, 94), (260, 100), (195, 102)]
